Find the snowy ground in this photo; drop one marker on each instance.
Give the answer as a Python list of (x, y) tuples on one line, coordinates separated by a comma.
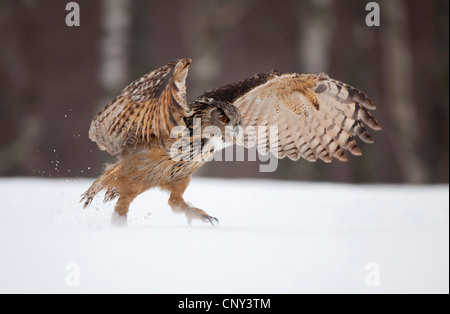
[(274, 237)]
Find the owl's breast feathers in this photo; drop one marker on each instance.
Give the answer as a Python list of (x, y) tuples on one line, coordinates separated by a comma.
[(157, 165)]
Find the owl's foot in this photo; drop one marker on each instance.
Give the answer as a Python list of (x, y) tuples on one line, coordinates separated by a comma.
[(193, 213), (178, 204)]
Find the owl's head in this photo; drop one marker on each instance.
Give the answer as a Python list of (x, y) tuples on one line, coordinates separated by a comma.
[(215, 116)]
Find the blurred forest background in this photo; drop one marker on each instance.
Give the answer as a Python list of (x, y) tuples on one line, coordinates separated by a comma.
[(55, 78)]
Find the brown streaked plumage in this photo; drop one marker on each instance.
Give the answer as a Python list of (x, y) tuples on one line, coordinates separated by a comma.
[(316, 117)]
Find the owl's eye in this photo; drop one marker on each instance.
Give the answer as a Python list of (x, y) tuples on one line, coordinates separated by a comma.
[(223, 118)]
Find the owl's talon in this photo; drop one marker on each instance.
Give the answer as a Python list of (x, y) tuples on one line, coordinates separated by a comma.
[(203, 218), (214, 221)]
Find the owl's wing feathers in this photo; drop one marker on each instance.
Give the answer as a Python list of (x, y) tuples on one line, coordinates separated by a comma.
[(316, 117), (149, 106)]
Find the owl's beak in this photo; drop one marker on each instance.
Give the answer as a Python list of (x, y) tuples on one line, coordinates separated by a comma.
[(237, 129)]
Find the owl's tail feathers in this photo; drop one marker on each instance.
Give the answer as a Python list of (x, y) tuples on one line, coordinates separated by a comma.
[(105, 181)]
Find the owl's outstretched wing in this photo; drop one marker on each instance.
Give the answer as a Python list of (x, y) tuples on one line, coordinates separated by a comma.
[(150, 106), (316, 116)]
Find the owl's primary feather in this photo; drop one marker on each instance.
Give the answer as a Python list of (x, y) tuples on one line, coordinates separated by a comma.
[(316, 117)]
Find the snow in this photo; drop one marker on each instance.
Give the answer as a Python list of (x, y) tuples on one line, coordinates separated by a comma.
[(273, 237)]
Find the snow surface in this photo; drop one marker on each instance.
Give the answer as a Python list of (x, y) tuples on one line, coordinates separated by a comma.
[(273, 237)]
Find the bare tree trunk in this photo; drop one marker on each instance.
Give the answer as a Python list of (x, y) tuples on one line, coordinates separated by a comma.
[(114, 45), (315, 23), (206, 23), (398, 67)]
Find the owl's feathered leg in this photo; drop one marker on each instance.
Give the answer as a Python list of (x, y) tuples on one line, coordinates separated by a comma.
[(178, 204), (123, 204), (119, 217)]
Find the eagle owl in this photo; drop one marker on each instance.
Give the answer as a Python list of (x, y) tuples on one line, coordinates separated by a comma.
[(316, 118)]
